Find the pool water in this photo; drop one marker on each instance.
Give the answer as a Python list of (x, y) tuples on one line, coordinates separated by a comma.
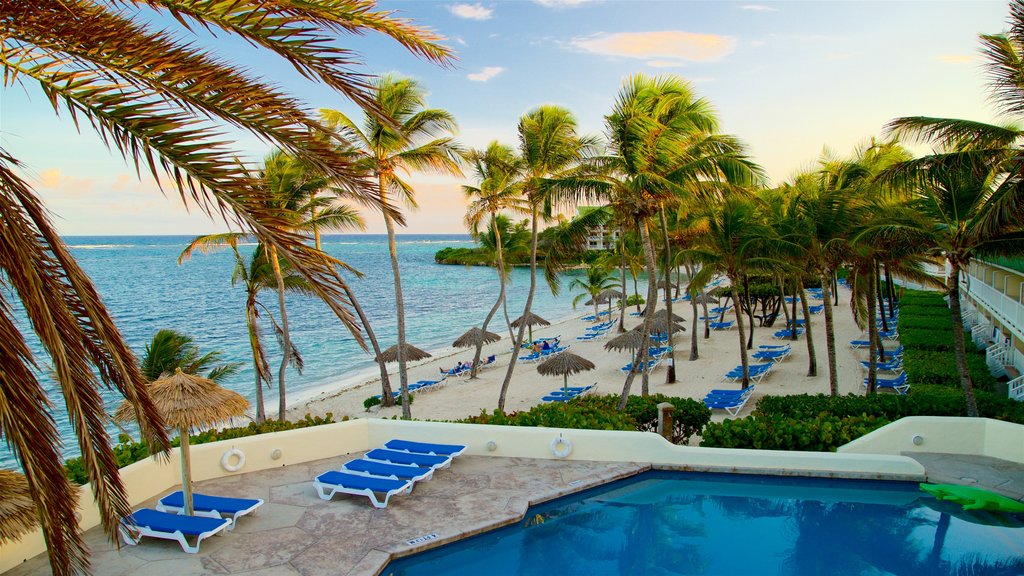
[(683, 523)]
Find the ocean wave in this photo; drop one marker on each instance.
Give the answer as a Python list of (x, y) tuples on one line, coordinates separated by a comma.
[(96, 246), (435, 242)]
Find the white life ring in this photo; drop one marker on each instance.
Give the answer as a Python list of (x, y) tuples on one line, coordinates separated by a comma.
[(225, 460), (561, 447)]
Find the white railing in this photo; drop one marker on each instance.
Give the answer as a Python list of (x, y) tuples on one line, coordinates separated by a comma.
[(1017, 389), (995, 357), (1009, 311), (980, 334)]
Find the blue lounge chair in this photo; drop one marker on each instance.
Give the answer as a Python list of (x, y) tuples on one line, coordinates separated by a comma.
[(755, 372), (899, 383), (895, 366), (787, 333), (210, 506), (531, 357), (157, 524), (892, 354), (799, 322), (449, 450), (890, 335), (773, 346), (330, 483), (651, 365), (730, 405), (772, 355), (403, 457), (722, 325), (729, 393), (386, 470), (551, 398), (816, 309)]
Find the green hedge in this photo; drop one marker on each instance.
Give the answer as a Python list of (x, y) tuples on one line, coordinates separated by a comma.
[(921, 298), (599, 413), (939, 368), (823, 433), (128, 451)]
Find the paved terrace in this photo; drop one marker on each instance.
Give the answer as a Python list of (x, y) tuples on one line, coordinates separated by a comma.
[(1000, 476), (295, 532)]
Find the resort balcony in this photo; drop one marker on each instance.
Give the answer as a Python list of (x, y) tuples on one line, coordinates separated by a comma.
[(993, 308)]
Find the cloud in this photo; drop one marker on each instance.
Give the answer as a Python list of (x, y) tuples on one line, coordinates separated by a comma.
[(833, 56), (561, 3), (758, 8), (471, 11), (955, 58), (758, 43), (664, 64), (666, 44), (459, 40), (486, 74)]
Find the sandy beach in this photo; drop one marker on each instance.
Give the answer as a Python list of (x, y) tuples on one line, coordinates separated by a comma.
[(459, 397)]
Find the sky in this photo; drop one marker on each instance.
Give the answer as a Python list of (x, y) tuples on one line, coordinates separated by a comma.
[(788, 78)]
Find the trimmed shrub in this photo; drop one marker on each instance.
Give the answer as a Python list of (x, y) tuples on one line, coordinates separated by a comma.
[(823, 433), (371, 402), (939, 368), (689, 417), (928, 340)]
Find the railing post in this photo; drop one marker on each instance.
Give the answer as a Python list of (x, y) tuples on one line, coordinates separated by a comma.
[(666, 424)]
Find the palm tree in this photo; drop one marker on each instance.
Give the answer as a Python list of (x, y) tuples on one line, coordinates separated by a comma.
[(548, 146), (498, 170), (161, 100), (597, 280), (401, 135), (170, 349)]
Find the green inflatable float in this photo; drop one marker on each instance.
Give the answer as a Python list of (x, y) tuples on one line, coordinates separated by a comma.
[(974, 498)]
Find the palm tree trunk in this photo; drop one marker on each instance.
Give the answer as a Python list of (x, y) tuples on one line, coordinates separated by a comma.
[(890, 291), (733, 279), (670, 375), (497, 304), (782, 290), (796, 294), (872, 331), (694, 353), (640, 362), (830, 336), (812, 358), (958, 338), (881, 301), (636, 292), (403, 376), (749, 305), (622, 276), (707, 320), (387, 396), (526, 310), (254, 343), (282, 403)]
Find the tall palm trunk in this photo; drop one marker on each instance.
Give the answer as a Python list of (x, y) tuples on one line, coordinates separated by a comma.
[(652, 302), (694, 353), (622, 276), (497, 304), (707, 320), (670, 375), (958, 337), (282, 403), (830, 336), (872, 332), (749, 305), (733, 279), (403, 376), (387, 396), (796, 294), (881, 301), (890, 291), (526, 309), (254, 343), (812, 358), (782, 291)]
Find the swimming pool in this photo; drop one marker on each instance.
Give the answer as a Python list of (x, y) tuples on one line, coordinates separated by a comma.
[(685, 523)]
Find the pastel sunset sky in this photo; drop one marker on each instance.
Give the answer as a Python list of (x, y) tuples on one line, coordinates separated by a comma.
[(789, 78)]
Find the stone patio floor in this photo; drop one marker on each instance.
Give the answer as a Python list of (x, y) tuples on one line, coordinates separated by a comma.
[(1000, 476), (295, 532)]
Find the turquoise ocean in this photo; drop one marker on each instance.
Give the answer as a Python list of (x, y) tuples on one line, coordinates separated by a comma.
[(146, 290)]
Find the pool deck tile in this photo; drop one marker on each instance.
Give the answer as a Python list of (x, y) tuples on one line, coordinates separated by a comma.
[(297, 533), (1000, 476)]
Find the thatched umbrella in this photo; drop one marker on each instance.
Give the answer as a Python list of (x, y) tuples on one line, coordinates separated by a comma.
[(410, 352), (188, 401), (705, 299), (663, 313), (475, 336), (564, 364), (531, 320), (629, 341), (661, 324), (17, 510)]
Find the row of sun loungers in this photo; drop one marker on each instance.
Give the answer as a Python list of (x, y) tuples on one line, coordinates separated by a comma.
[(385, 472), (787, 333), (597, 331), (592, 318), (566, 394), (535, 356), (462, 369), (168, 521), (732, 401)]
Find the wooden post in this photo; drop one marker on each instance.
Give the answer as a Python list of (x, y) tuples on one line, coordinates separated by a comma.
[(665, 420)]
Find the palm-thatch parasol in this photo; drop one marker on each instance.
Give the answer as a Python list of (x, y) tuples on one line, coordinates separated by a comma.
[(475, 336), (629, 341), (531, 320), (705, 299), (666, 285), (188, 401), (663, 313), (410, 352), (565, 364), (661, 324), (17, 510)]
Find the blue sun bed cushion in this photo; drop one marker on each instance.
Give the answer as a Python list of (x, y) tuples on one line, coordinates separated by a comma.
[(157, 524), (330, 483), (402, 457), (387, 470), (452, 450), (210, 506)]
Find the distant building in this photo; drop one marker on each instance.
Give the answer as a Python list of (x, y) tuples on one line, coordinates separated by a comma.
[(601, 237)]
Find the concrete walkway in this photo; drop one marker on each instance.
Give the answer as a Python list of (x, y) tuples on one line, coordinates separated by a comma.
[(1000, 476), (295, 532)]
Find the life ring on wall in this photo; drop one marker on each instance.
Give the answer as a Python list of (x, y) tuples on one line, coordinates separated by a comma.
[(225, 460), (561, 447)]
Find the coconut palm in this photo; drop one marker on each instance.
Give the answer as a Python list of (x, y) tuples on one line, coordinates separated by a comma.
[(549, 146), (401, 135), (498, 170), (162, 101), (597, 280), (170, 349)]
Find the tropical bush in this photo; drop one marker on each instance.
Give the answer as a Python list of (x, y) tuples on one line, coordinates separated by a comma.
[(128, 451), (939, 368), (823, 433)]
